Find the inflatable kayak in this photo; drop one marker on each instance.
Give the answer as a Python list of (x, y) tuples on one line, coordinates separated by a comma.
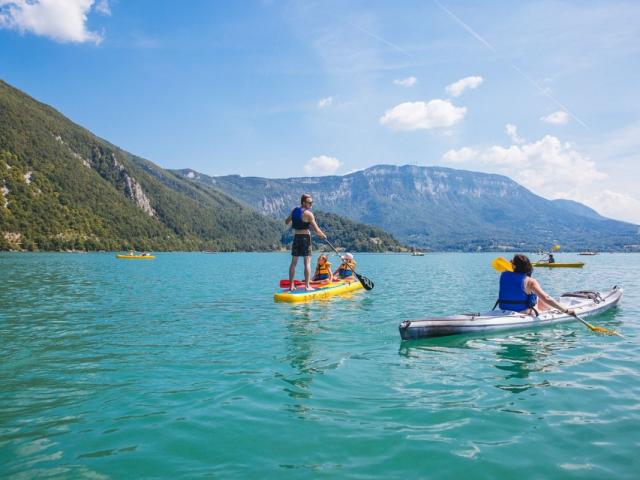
[(136, 257), (559, 264), (585, 304), (320, 292)]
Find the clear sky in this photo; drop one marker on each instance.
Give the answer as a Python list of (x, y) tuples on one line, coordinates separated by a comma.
[(546, 92)]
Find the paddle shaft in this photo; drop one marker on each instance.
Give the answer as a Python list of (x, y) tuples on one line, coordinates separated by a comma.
[(332, 247), (579, 318)]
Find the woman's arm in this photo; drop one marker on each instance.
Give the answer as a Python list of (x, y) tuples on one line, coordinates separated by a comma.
[(535, 287)]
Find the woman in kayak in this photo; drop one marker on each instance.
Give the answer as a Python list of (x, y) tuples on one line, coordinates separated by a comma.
[(520, 292), (323, 270), (347, 268)]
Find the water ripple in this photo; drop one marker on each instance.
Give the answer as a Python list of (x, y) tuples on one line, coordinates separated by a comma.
[(184, 366)]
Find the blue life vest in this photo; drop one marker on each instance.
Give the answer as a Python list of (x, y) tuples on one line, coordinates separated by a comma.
[(512, 294), (346, 269), (296, 219)]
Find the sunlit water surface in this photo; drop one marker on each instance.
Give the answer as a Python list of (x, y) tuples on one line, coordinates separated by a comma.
[(184, 367)]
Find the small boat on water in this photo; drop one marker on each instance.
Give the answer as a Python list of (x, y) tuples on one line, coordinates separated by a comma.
[(585, 304), (559, 264), (588, 253), (322, 290), (417, 254), (135, 256)]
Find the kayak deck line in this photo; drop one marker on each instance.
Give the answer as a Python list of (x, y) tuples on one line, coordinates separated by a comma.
[(585, 304)]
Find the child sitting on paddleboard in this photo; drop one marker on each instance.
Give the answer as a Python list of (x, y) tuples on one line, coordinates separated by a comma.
[(347, 268), (323, 270)]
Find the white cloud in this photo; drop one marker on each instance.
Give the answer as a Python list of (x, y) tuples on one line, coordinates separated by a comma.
[(556, 118), (511, 130), (406, 82), (614, 205), (103, 7), (460, 156), (423, 115), (456, 88), (548, 167), (322, 165), (61, 20), (325, 102), (553, 169)]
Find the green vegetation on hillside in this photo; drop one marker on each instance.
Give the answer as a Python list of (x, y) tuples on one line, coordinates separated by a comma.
[(352, 236), (61, 188), (85, 193)]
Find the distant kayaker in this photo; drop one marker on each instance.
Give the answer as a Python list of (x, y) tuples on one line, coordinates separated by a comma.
[(520, 292), (301, 219), (347, 268)]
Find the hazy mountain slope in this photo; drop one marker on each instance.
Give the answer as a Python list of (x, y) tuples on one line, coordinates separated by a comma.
[(439, 208)]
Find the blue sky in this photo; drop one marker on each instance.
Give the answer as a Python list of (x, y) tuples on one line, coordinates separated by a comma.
[(544, 92)]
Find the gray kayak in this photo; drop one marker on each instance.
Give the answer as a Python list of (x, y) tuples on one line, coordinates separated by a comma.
[(585, 303)]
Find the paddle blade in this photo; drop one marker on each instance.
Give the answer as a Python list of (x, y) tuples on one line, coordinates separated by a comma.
[(501, 264), (606, 331), (366, 283), (602, 330), (556, 248)]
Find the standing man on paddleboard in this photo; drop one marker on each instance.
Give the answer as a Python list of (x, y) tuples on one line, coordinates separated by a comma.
[(301, 219)]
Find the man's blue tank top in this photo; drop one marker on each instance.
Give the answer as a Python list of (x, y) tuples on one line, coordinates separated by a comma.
[(296, 219)]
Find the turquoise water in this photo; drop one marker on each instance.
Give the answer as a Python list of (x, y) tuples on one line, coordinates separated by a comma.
[(184, 367)]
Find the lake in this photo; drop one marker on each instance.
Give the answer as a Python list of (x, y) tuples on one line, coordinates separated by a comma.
[(184, 367)]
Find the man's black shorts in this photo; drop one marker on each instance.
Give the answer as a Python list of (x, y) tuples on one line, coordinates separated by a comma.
[(301, 246)]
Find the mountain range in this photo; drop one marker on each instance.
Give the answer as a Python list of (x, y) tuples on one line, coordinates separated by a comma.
[(438, 208), (62, 187)]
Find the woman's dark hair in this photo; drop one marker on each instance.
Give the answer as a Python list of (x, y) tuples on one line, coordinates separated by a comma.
[(304, 198), (521, 264)]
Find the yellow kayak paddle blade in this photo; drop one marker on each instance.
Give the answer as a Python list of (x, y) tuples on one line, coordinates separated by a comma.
[(593, 328), (501, 264)]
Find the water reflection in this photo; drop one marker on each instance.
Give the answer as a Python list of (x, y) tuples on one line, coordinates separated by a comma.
[(300, 339), (519, 357), (302, 328), (524, 356)]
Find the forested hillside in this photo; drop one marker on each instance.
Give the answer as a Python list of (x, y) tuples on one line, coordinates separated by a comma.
[(61, 187)]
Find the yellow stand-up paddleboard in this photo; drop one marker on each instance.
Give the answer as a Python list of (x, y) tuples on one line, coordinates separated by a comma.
[(320, 292)]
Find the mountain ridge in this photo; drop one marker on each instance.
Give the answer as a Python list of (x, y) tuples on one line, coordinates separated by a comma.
[(439, 208), (63, 187)]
